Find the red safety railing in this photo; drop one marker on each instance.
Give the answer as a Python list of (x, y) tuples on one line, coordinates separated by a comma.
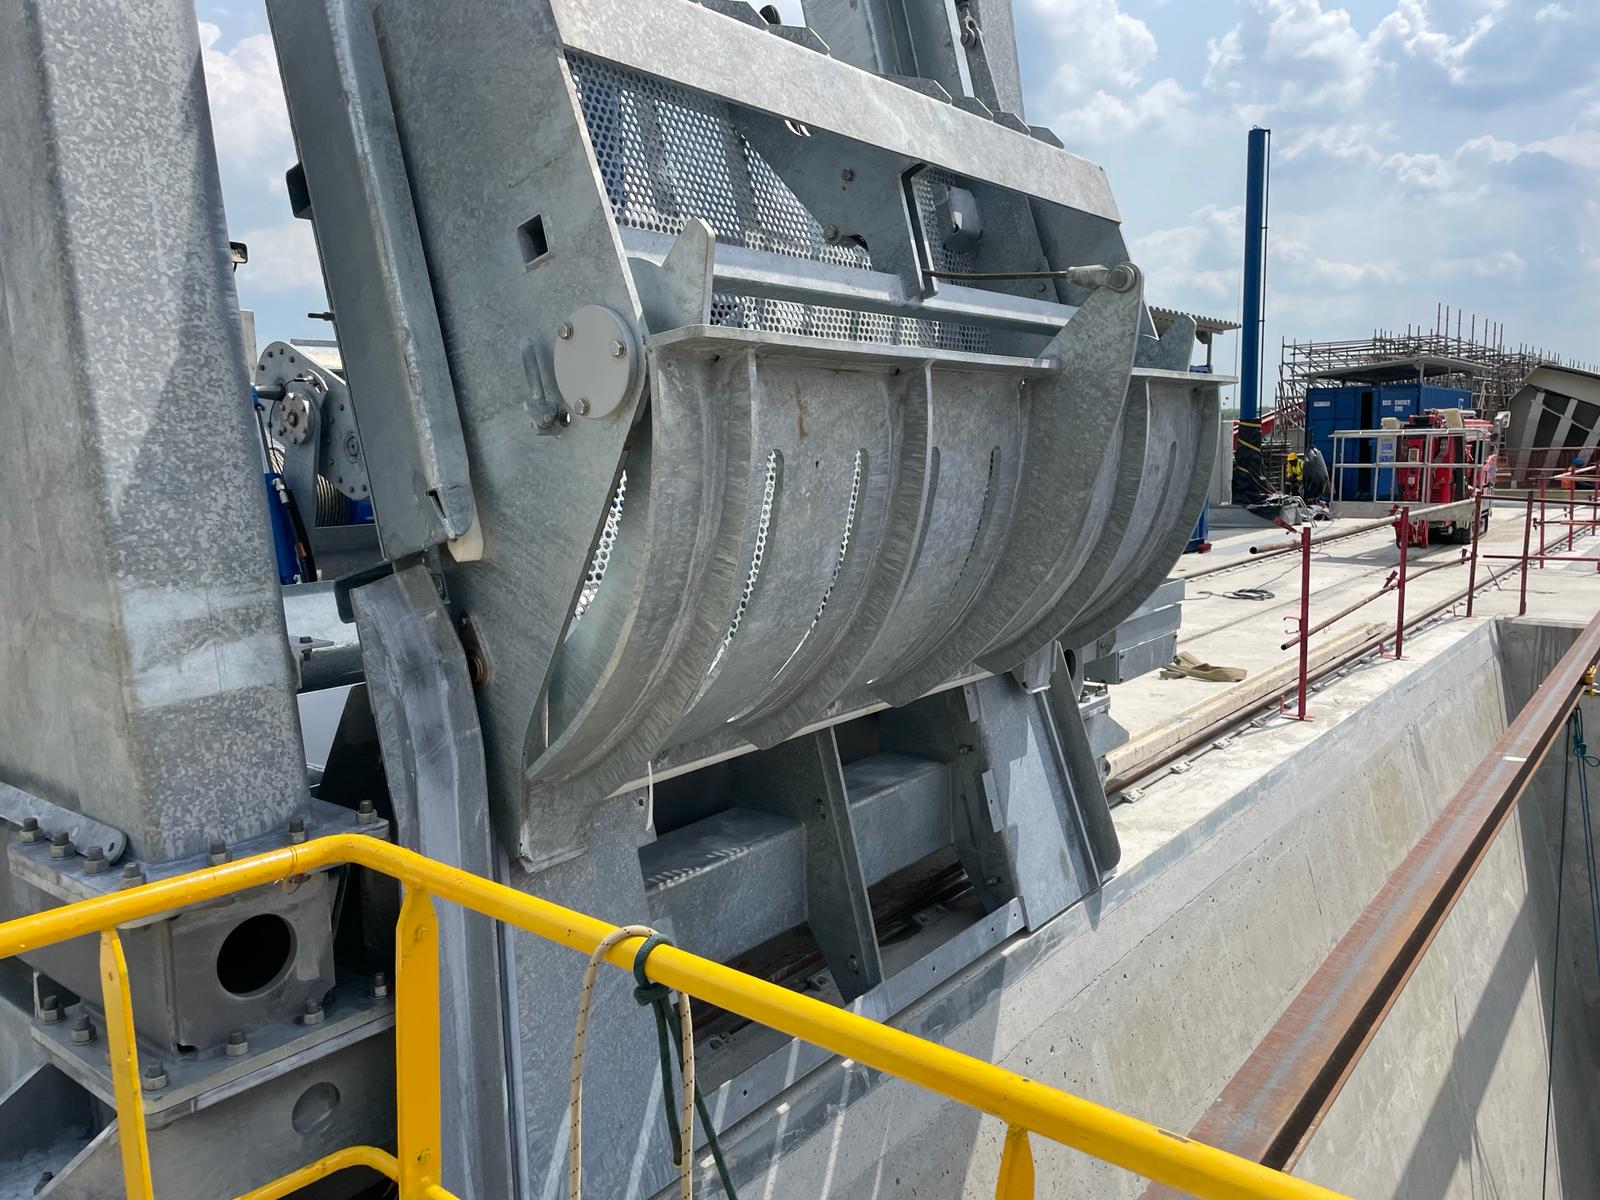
[(1404, 523), (1582, 517), (1569, 481)]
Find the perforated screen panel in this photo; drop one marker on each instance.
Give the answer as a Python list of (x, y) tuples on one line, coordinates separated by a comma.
[(666, 154)]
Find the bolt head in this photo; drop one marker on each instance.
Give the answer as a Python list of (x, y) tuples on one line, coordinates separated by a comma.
[(366, 814), (583, 407), (29, 824), (312, 1014), (830, 233), (60, 844), (380, 985), (238, 1045), (50, 1009), (155, 1077), (618, 350), (565, 331), (848, 174), (82, 1030), (94, 860)]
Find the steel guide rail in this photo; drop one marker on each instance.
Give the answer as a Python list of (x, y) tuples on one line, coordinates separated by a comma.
[(1274, 1103)]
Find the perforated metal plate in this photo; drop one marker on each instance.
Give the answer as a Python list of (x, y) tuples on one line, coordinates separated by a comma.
[(667, 154)]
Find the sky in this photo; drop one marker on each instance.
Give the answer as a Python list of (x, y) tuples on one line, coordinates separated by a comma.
[(1424, 152)]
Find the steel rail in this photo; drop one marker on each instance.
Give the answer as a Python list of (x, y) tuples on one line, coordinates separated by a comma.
[(1388, 589), (1232, 720), (1021, 1102), (1277, 1099), (1258, 553)]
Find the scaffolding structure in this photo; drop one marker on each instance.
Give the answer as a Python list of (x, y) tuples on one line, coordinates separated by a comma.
[(1496, 368)]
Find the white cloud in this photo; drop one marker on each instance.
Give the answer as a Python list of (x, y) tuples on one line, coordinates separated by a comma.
[(1223, 55), (1101, 54), (1409, 30), (1196, 264), (1356, 142), (1497, 264), (1329, 58), (1488, 146), (1312, 55), (1095, 44), (1304, 265), (1106, 117), (248, 114), (1422, 172), (1580, 148), (282, 257)]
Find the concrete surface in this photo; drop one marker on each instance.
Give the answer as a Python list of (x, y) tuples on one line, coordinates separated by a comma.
[(1449, 1099)]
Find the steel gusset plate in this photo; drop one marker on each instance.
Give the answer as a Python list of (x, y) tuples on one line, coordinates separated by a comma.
[(849, 457), (807, 519), (1065, 489), (1168, 441), (777, 496), (642, 648), (975, 452), (1173, 481)]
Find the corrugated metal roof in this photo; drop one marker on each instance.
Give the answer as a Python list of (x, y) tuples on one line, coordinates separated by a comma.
[(1163, 317)]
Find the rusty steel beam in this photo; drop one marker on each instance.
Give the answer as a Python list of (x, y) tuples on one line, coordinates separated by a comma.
[(1276, 1100)]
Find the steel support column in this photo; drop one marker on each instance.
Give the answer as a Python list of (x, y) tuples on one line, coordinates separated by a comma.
[(148, 681)]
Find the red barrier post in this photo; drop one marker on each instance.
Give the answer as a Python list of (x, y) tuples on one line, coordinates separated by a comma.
[(1400, 585), (1541, 524), (1527, 536), (1305, 623), (1472, 564)]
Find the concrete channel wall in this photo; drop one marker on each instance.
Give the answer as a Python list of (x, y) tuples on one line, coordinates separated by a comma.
[(1449, 1099), (1238, 877)]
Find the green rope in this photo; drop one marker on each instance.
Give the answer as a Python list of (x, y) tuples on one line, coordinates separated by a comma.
[(669, 1032)]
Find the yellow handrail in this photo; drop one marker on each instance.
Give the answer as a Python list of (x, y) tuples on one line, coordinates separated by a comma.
[(1023, 1104)]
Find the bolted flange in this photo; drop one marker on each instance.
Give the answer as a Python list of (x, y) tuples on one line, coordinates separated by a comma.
[(597, 360)]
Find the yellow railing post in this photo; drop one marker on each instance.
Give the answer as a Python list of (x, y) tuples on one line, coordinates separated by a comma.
[(124, 1052), (1016, 1167), (416, 1043)]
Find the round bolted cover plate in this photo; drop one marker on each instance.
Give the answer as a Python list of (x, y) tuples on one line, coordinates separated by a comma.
[(588, 367)]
